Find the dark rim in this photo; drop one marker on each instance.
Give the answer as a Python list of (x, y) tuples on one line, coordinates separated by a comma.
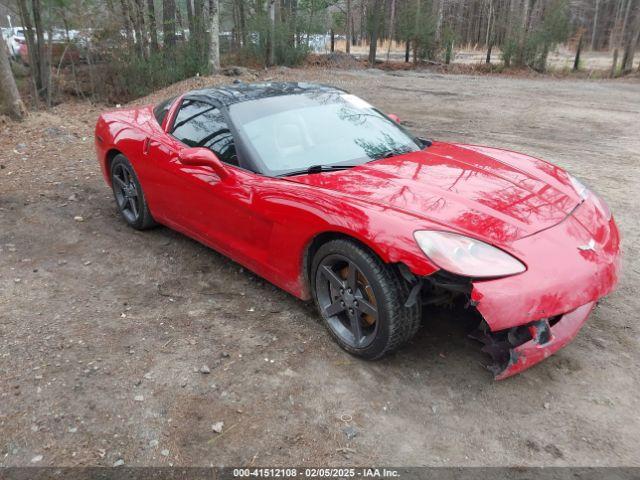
[(346, 300), (126, 192)]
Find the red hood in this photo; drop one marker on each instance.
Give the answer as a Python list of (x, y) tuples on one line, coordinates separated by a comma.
[(494, 194)]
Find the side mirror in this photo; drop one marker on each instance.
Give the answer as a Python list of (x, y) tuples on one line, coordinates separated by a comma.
[(203, 157), (394, 117)]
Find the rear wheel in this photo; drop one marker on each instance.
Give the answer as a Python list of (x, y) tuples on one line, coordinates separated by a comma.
[(361, 299), (128, 193)]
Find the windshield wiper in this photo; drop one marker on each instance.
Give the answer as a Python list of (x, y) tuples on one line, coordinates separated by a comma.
[(317, 169)]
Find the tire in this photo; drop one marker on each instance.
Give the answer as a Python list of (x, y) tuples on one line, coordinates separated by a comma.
[(346, 309), (128, 194)]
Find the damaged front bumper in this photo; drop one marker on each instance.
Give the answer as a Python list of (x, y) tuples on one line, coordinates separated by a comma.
[(523, 347), (528, 317)]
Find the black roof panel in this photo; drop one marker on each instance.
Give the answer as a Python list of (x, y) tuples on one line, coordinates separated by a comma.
[(242, 92)]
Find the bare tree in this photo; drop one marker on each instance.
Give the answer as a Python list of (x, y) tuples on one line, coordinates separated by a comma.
[(214, 44), (631, 43), (375, 7), (595, 25), (392, 23), (349, 26), (243, 21), (153, 29), (271, 55), (439, 16), (37, 56), (8, 90)]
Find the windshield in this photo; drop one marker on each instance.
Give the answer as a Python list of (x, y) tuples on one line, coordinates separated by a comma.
[(291, 133)]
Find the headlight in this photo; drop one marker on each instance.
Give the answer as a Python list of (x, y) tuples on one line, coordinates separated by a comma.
[(587, 194), (466, 256)]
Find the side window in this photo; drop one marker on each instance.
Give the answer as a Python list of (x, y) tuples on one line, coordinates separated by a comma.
[(161, 110), (199, 124)]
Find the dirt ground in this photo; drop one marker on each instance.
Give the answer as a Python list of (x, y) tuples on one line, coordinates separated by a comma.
[(104, 329)]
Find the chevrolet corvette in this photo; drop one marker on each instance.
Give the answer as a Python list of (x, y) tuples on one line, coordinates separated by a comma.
[(330, 199)]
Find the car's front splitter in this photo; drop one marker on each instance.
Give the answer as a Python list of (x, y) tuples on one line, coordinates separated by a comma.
[(532, 315)]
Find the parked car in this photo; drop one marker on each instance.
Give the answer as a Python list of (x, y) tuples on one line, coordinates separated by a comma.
[(330, 199), (14, 37), (61, 51)]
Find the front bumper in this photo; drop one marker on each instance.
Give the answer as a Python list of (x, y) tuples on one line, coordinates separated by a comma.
[(527, 354), (563, 282)]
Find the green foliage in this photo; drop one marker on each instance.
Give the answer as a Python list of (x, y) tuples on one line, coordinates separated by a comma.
[(290, 48), (448, 38), (339, 22), (126, 76), (509, 51), (533, 48), (416, 24)]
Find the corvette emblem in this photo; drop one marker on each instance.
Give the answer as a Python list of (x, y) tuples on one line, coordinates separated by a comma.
[(589, 246)]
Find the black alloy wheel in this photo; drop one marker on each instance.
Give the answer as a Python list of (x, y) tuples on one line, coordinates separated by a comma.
[(128, 193), (361, 299), (346, 300)]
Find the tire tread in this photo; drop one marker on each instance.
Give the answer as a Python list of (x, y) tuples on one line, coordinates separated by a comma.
[(403, 321)]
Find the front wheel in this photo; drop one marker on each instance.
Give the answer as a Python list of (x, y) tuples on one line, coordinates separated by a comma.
[(361, 299), (129, 196)]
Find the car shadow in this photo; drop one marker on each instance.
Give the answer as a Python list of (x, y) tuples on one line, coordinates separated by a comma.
[(440, 347)]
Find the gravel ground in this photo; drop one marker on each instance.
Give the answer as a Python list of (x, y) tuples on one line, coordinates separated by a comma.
[(108, 333)]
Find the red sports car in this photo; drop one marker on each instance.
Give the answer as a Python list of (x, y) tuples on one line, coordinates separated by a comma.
[(330, 199)]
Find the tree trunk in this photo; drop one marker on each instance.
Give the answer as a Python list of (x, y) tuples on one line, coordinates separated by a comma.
[(629, 49), (576, 61), (407, 50), (416, 29), (169, 24), (489, 16), (348, 34), (243, 23), (439, 17), (489, 48), (25, 15), (41, 58), (180, 22), (153, 29), (214, 44), (8, 90), (392, 22), (595, 25), (271, 51), (199, 31), (623, 34), (614, 65), (363, 22), (190, 20), (129, 23), (140, 27), (520, 60), (333, 41), (613, 38), (374, 26)]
